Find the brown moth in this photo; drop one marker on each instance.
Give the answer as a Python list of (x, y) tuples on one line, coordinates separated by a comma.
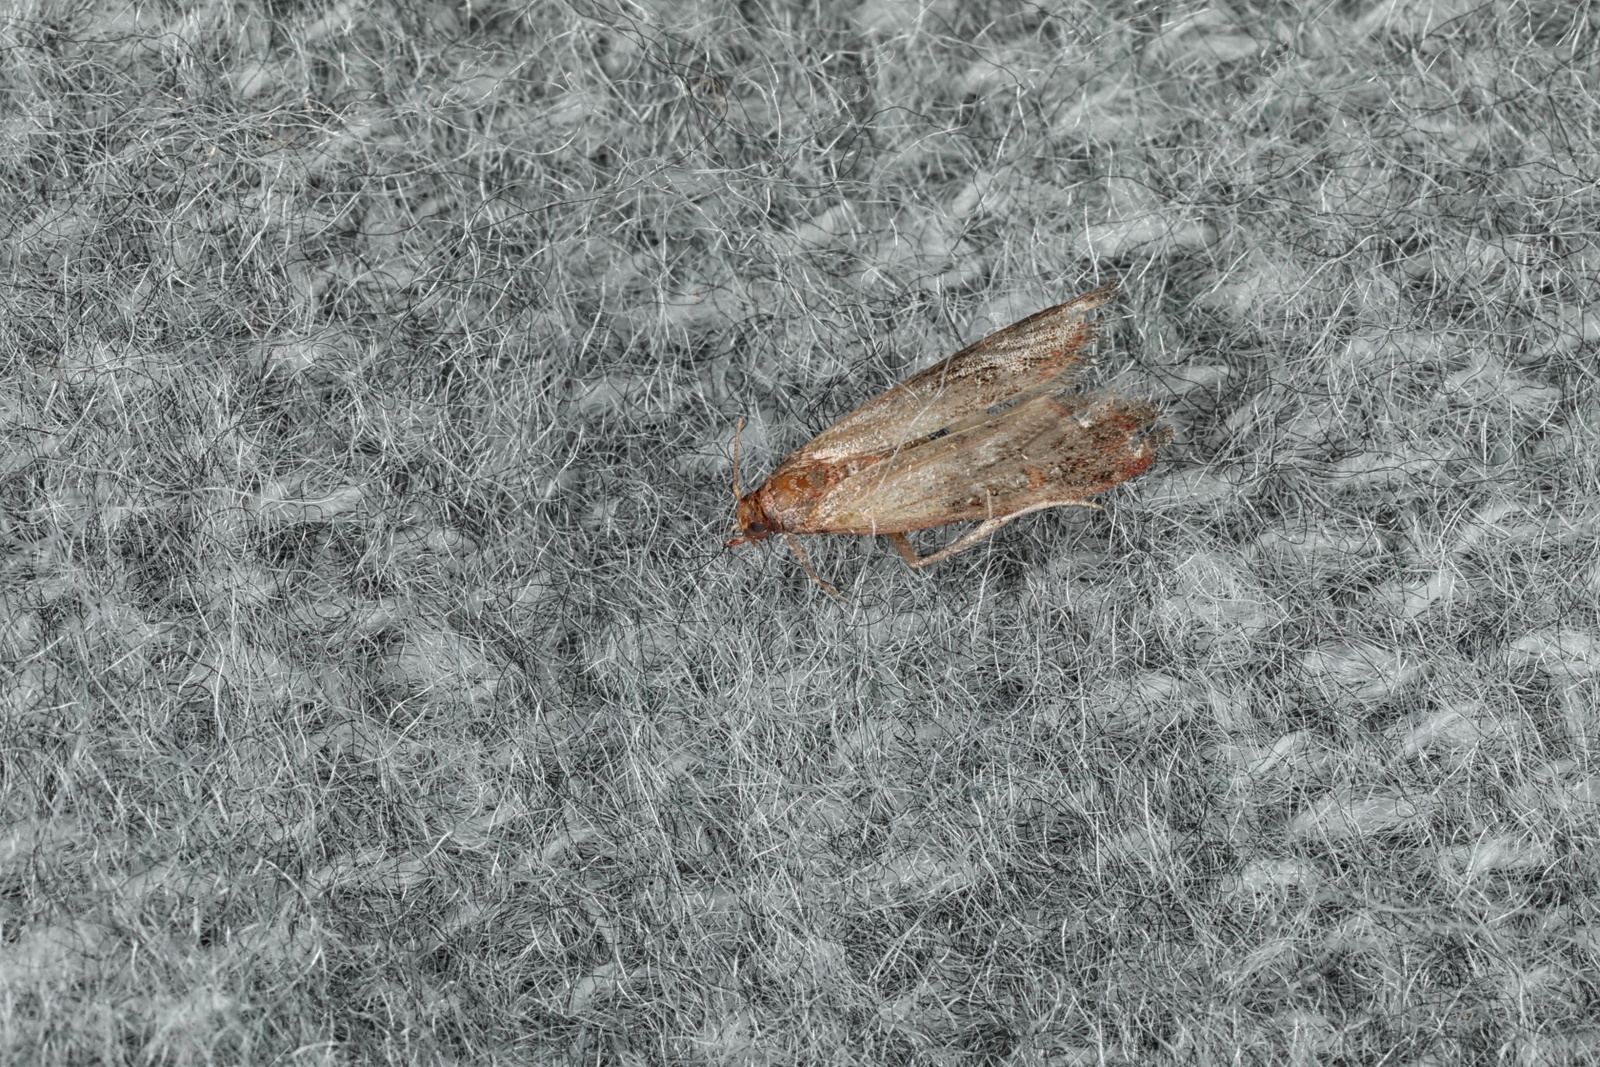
[(988, 435)]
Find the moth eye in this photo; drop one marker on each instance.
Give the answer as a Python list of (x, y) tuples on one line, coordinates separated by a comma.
[(757, 528)]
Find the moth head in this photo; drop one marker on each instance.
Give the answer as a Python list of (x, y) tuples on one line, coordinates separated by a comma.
[(751, 520)]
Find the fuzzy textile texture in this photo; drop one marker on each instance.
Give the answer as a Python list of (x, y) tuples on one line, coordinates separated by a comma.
[(375, 686)]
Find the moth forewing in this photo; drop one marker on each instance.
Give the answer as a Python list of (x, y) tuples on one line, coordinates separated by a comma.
[(1056, 449), (1043, 350)]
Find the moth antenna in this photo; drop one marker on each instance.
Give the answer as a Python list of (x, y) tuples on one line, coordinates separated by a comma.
[(800, 554), (737, 427)]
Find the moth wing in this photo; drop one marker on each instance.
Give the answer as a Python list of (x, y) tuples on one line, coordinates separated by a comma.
[(1047, 449), (1041, 351)]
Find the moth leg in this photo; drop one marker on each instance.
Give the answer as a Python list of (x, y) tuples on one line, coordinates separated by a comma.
[(902, 546), (985, 529), (800, 554), (961, 544)]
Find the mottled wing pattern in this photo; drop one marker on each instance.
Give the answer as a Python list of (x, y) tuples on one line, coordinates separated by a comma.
[(1049, 448), (1039, 352)]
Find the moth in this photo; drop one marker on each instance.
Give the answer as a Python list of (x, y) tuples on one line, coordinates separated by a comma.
[(988, 435)]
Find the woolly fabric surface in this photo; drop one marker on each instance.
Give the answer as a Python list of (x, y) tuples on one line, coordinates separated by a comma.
[(374, 683)]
